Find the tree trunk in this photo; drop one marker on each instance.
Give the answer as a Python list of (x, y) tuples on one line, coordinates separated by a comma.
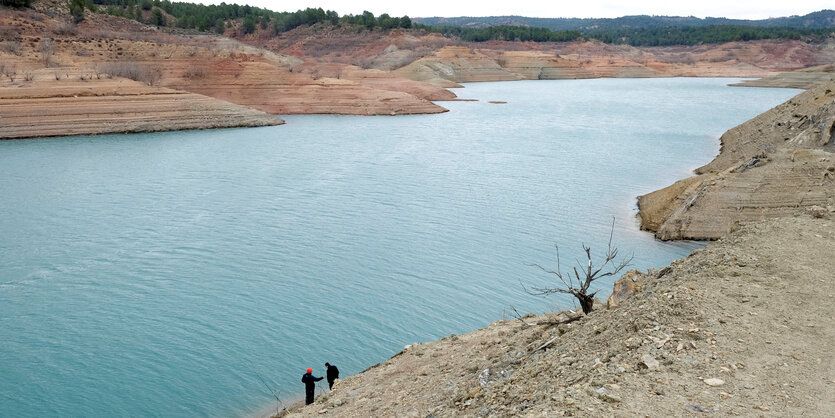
[(586, 302)]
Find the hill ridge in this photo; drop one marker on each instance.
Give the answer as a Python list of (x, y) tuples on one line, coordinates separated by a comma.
[(816, 20)]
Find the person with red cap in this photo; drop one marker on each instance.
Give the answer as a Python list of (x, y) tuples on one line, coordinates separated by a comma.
[(309, 385)]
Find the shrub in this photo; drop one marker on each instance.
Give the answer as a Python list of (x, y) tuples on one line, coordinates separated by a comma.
[(47, 49), (134, 71), (64, 29), (10, 71), (13, 47), (196, 72)]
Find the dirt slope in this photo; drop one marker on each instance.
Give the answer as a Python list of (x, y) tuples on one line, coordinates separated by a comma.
[(254, 82), (457, 64), (46, 107), (780, 163), (431, 57), (739, 328), (213, 67)]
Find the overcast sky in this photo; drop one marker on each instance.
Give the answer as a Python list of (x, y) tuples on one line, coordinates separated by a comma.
[(554, 8)]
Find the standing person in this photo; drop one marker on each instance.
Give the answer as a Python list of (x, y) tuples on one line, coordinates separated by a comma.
[(333, 374), (309, 385)]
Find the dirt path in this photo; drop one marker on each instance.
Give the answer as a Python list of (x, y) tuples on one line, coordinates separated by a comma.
[(743, 327)]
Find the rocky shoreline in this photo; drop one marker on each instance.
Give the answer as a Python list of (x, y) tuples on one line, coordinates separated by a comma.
[(780, 163), (738, 328)]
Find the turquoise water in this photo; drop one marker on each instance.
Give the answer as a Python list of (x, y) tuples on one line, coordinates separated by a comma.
[(160, 274)]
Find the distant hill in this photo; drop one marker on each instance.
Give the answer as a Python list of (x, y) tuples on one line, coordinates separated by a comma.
[(816, 20)]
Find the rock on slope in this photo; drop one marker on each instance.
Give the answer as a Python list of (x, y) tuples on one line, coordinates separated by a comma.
[(782, 162), (739, 328)]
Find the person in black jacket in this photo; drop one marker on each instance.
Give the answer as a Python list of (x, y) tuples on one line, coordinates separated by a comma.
[(309, 385), (333, 374)]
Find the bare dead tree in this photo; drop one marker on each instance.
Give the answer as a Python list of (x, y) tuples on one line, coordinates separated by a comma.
[(195, 72), (132, 70), (13, 47), (153, 76), (578, 284), (10, 71), (47, 48)]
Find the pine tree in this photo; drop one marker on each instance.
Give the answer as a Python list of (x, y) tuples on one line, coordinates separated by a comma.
[(16, 3), (76, 10)]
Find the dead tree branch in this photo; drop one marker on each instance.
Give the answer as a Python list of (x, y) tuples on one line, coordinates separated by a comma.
[(579, 283)]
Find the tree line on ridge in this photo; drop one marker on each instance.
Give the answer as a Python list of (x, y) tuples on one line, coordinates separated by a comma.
[(218, 18)]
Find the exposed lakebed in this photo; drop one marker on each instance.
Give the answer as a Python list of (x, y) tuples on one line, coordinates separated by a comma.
[(156, 274)]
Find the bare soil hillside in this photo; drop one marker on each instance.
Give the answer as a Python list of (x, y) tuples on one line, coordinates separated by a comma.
[(739, 328), (430, 57), (43, 51), (44, 106)]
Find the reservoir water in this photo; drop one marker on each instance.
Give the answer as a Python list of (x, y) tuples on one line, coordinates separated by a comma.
[(161, 274)]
